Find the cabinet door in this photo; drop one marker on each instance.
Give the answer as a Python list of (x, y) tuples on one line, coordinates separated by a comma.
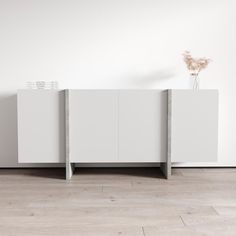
[(193, 125), (93, 126), (41, 126), (142, 126)]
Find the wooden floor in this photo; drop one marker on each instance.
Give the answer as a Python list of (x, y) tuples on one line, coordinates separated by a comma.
[(103, 202)]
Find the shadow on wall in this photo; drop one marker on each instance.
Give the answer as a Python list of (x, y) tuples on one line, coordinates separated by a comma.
[(8, 129), (152, 79)]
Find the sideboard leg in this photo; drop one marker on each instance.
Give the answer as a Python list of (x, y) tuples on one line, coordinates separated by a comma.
[(70, 167), (166, 166), (166, 169)]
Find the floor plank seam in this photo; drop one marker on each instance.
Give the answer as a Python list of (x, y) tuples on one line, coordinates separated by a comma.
[(217, 213), (143, 231), (182, 220)]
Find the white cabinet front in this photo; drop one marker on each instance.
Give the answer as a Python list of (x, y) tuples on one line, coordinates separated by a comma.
[(92, 126), (117, 126), (142, 126), (41, 126), (193, 125)]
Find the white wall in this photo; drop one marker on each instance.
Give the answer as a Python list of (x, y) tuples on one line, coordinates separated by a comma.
[(116, 44)]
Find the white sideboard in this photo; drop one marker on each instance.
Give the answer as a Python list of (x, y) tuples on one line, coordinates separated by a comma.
[(117, 126)]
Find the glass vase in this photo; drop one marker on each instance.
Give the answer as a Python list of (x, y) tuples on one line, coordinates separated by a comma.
[(196, 82)]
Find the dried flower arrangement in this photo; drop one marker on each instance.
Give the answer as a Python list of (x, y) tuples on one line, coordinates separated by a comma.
[(195, 65)]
